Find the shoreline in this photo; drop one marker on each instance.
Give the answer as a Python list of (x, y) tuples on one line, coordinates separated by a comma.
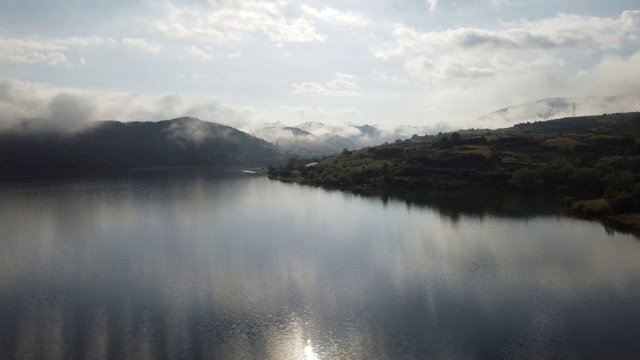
[(630, 220)]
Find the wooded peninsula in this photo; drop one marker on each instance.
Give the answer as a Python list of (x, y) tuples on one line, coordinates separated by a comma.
[(593, 160)]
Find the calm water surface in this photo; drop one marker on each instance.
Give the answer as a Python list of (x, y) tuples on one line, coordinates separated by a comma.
[(197, 264)]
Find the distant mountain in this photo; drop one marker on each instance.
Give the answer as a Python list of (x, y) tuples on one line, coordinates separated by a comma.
[(179, 142), (294, 141), (318, 139), (558, 107), (367, 130), (296, 131)]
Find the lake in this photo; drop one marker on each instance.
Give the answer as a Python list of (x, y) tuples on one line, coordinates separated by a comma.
[(173, 264)]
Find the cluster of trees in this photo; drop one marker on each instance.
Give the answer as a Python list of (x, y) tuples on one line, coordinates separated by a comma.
[(617, 180)]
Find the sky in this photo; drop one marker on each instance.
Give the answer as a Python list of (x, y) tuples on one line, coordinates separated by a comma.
[(414, 62)]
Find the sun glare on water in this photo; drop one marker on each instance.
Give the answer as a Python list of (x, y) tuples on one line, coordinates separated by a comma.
[(308, 352)]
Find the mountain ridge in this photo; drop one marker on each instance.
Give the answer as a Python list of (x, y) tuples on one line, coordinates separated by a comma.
[(557, 107), (316, 139), (104, 145)]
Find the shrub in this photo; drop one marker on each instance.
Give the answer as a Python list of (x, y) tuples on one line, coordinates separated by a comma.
[(623, 202), (526, 179), (568, 201)]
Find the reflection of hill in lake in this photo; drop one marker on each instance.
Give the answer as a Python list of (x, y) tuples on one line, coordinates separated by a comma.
[(489, 203), (478, 204)]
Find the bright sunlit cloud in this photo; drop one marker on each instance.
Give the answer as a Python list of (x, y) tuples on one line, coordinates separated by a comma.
[(395, 62)]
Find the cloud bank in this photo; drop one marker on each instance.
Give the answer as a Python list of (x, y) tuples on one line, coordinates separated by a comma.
[(341, 85), (556, 108), (477, 52), (249, 62), (67, 109)]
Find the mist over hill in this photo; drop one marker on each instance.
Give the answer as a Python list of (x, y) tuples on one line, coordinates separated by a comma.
[(181, 142), (559, 107), (42, 147), (314, 138), (69, 142)]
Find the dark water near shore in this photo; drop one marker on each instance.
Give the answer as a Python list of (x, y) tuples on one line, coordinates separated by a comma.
[(197, 264)]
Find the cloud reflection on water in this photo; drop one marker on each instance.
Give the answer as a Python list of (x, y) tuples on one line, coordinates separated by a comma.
[(205, 266)]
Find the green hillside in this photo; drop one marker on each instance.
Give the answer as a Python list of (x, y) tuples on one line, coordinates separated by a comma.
[(596, 155)]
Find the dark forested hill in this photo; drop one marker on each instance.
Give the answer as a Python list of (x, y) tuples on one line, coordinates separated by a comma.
[(112, 144)]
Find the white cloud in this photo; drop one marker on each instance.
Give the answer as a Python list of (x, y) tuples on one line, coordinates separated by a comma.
[(426, 69), (458, 70), (299, 110), (388, 79), (43, 51), (562, 31), (460, 103), (329, 129), (306, 111), (421, 68), (70, 107), (196, 52), (522, 46), (310, 88), (337, 17), (612, 75), (205, 54), (554, 108), (60, 109), (432, 5), (194, 76), (342, 85), (228, 21), (450, 73), (500, 3), (142, 44)]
